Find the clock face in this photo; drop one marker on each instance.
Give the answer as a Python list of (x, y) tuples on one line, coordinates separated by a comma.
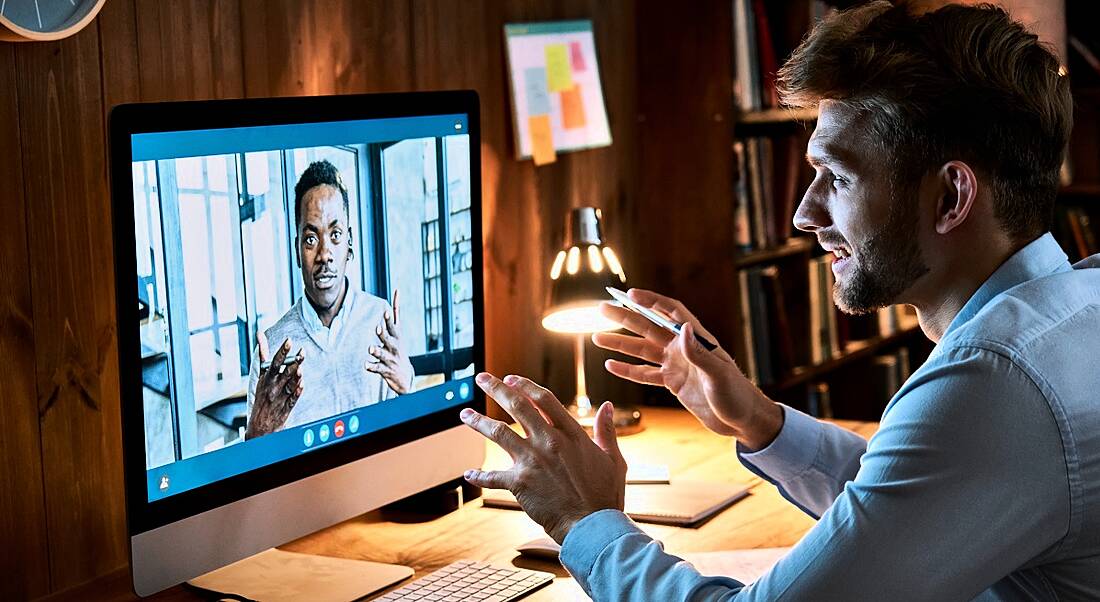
[(45, 19)]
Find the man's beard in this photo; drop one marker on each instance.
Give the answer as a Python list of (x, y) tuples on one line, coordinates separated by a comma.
[(889, 262)]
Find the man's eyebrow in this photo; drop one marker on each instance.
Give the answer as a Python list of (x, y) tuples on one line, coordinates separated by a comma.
[(310, 227), (828, 154), (333, 224)]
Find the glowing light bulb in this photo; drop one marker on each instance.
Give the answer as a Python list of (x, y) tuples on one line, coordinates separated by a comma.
[(573, 260), (559, 261), (594, 260), (613, 263)]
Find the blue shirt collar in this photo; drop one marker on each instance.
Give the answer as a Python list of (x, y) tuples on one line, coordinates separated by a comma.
[(1040, 257), (315, 327)]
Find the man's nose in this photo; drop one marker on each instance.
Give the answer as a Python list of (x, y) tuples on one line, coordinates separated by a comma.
[(811, 214), (324, 252)]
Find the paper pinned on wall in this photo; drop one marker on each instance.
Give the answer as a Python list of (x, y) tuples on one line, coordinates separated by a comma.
[(572, 108), (538, 95), (576, 56), (559, 72), (554, 74), (542, 139)]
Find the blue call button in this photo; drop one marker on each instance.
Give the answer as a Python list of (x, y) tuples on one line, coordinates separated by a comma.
[(322, 433), (307, 438)]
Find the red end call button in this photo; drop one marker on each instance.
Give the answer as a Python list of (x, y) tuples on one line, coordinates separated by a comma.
[(338, 429)]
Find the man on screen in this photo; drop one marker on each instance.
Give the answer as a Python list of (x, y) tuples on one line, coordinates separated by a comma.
[(354, 351)]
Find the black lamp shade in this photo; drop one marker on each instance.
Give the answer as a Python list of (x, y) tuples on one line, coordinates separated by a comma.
[(580, 273)]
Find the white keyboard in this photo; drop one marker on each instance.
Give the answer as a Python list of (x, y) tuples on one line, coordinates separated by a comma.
[(467, 580)]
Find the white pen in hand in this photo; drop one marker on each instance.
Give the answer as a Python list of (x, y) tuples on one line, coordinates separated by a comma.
[(655, 317)]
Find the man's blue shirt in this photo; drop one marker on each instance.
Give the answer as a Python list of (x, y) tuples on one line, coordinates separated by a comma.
[(983, 480)]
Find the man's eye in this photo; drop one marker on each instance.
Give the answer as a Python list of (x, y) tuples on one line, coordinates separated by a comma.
[(839, 182), (311, 240), (336, 236)]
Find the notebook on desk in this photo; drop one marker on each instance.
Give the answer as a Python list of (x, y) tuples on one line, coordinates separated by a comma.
[(681, 503)]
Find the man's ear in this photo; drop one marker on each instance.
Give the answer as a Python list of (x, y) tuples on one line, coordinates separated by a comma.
[(958, 192), (297, 252), (351, 244)]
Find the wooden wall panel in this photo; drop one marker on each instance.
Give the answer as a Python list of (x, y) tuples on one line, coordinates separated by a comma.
[(189, 49), (69, 236), (24, 554), (118, 41), (685, 208), (294, 48)]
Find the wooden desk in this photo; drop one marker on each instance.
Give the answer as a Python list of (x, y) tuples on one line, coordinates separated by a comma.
[(672, 436)]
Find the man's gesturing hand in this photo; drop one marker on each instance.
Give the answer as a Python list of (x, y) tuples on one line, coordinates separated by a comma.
[(390, 360), (559, 474), (277, 390), (707, 383)]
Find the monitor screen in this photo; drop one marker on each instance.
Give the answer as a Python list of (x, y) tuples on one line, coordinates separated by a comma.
[(299, 286)]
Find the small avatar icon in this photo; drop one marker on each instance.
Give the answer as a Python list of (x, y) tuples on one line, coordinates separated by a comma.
[(163, 482)]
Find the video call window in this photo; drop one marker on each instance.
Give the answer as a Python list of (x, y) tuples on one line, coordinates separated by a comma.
[(217, 264)]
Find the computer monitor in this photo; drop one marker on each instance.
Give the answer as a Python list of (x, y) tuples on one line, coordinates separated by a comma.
[(348, 226)]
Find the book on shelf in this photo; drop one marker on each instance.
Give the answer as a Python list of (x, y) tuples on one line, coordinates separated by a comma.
[(742, 232), (819, 402), (760, 314), (764, 35), (790, 322), (889, 373), (771, 177), (782, 339), (825, 339), (748, 362), (884, 377)]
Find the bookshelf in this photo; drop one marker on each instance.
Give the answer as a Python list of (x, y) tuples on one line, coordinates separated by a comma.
[(801, 245), (1077, 212), (791, 339), (854, 351), (765, 122), (1080, 191)]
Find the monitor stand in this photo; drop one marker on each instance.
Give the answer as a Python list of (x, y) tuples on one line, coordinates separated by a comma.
[(277, 576)]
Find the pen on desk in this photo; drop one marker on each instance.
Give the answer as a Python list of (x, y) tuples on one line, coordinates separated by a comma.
[(656, 318)]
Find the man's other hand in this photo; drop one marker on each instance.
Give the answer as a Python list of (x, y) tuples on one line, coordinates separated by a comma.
[(559, 474), (389, 359), (277, 390)]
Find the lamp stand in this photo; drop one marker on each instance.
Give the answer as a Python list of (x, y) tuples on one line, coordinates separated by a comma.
[(627, 418)]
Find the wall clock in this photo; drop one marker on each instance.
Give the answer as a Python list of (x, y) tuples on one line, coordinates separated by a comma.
[(44, 20)]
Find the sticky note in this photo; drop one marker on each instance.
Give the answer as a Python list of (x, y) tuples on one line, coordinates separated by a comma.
[(577, 56), (542, 140), (559, 74), (538, 96), (572, 108)]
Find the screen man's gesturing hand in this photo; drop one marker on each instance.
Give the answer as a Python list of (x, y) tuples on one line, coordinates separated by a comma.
[(559, 475), (389, 359), (277, 389)]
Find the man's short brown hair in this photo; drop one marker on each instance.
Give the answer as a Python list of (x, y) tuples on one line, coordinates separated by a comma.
[(959, 83)]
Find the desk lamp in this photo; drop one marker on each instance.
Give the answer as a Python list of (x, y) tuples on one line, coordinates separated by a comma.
[(581, 270)]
